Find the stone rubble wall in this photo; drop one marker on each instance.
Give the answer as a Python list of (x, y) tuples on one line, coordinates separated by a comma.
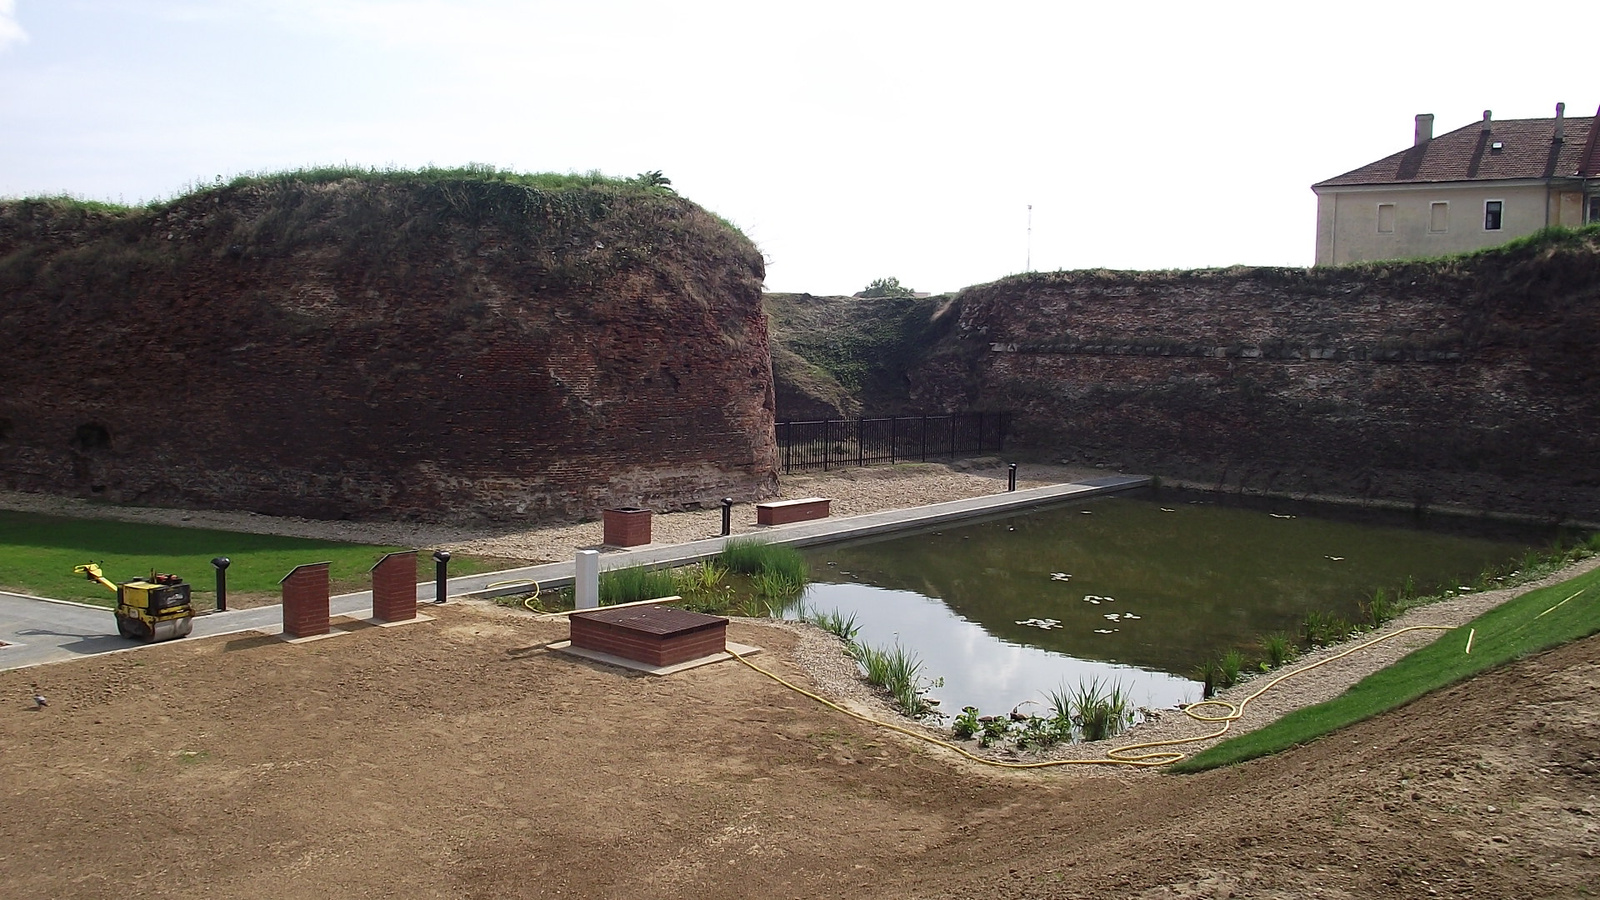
[(1470, 384)]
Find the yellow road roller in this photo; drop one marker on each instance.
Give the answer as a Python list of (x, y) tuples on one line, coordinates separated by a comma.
[(148, 609)]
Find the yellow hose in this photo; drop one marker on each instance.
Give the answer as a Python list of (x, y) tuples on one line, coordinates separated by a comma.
[(1233, 712), (1119, 756), (528, 602), (525, 600)]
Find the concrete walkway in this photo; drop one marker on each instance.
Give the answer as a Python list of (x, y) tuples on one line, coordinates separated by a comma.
[(37, 630)]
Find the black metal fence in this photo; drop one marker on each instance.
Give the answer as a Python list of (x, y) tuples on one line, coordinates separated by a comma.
[(836, 443)]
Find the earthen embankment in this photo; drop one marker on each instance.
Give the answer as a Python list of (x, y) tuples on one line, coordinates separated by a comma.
[(410, 346)]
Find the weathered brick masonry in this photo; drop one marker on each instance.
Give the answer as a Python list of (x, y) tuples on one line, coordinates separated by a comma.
[(1470, 384), (351, 349)]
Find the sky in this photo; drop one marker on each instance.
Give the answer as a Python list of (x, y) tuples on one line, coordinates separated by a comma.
[(943, 144)]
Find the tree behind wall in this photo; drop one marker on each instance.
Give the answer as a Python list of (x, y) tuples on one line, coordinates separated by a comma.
[(886, 287)]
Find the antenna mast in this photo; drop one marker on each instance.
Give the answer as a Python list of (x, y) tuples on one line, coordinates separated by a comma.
[(1030, 239)]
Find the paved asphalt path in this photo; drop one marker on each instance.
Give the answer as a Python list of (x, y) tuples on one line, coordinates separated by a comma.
[(36, 630)]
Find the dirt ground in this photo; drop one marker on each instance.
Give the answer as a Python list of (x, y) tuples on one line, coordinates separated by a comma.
[(460, 758)]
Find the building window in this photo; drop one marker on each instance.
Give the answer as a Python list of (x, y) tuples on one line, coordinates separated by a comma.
[(1593, 216), (1386, 218), (1491, 214), (1439, 218)]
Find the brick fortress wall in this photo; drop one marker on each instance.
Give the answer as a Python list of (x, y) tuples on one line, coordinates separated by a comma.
[(389, 350), (1468, 384)]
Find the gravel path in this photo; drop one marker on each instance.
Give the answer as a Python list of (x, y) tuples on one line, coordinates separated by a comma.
[(854, 492)]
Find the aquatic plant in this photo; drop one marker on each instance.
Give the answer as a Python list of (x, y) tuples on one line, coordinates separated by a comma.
[(897, 671), (700, 578), (1060, 702), (995, 729), (1314, 629), (904, 665), (1041, 733), (912, 700), (752, 557), (843, 627), (775, 585), (1229, 665), (1278, 649), (1380, 610), (636, 583), (1340, 628), (1209, 674), (966, 725), (1101, 710), (873, 661)]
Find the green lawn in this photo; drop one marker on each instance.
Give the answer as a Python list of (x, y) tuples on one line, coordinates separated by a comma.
[(38, 552), (1536, 621)]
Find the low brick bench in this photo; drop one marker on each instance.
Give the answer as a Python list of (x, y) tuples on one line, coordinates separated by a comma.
[(782, 512)]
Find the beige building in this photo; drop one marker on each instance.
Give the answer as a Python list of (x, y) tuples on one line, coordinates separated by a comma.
[(1471, 188)]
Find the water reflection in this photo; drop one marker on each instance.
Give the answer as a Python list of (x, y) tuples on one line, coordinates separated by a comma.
[(1139, 588), (978, 668)]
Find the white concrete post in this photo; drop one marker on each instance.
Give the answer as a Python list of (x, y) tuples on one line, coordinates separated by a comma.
[(586, 580)]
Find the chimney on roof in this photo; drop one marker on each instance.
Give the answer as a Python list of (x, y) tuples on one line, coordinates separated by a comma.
[(1487, 114), (1424, 129), (1561, 123)]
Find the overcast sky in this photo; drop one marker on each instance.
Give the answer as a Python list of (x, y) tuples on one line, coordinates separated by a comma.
[(851, 140)]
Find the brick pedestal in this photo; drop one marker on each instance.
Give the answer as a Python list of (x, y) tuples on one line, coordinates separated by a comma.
[(628, 526), (305, 600), (658, 636), (394, 587)]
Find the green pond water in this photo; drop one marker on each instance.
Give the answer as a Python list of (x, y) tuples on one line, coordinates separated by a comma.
[(1138, 587)]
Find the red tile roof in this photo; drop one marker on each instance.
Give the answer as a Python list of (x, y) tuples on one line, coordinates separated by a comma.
[(1590, 167), (1467, 154)]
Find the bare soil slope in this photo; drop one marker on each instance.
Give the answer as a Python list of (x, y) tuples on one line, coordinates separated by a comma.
[(458, 758)]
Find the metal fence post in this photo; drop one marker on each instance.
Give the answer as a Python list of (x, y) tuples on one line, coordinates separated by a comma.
[(222, 563), (441, 566)]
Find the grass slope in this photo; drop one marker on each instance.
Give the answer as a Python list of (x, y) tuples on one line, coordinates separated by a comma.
[(1535, 621), (38, 552)]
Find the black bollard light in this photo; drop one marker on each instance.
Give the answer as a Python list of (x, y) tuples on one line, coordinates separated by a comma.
[(222, 563), (727, 516), (1011, 478), (441, 564)]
